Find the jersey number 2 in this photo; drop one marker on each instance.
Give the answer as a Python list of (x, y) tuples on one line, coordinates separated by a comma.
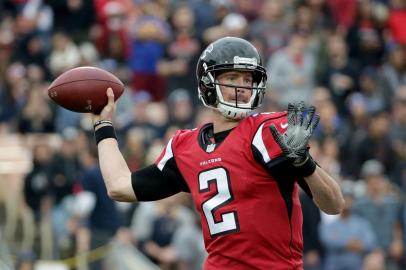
[(228, 221)]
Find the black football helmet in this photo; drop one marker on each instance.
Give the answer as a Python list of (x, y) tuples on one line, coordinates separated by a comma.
[(230, 54)]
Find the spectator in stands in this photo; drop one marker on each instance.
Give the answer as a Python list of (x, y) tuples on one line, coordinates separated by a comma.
[(233, 24), (308, 19), (321, 13), (7, 42), (111, 31), (347, 239), (374, 144), (303, 17), (340, 73), (135, 148), (149, 34), (103, 221), (32, 17), (65, 118), (372, 86), (206, 13), (180, 108), (141, 102), (381, 207), (321, 95), (249, 10), (37, 114), (343, 12), (32, 50), (64, 54), (365, 36), (65, 167), (394, 67), (37, 184), (399, 114), (292, 70), (397, 134), (157, 117), (13, 93), (272, 25), (188, 245), (332, 125), (313, 250), (36, 76), (38, 196), (75, 17), (182, 52), (155, 224), (358, 113), (331, 156)]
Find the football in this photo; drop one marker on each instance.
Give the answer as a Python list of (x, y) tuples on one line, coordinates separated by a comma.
[(83, 89)]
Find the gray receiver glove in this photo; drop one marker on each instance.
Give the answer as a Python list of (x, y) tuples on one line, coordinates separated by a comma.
[(301, 123)]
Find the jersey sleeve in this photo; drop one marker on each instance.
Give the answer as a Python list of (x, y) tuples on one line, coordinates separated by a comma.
[(159, 180), (265, 149), (166, 163)]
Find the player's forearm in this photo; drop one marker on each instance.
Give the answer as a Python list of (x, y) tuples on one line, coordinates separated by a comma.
[(116, 174), (326, 192)]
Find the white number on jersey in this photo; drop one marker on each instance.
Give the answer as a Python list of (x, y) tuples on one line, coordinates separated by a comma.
[(229, 221)]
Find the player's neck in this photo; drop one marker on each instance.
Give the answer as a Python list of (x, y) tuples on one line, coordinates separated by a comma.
[(220, 123)]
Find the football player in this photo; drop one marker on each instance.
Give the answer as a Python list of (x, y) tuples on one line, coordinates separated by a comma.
[(243, 170)]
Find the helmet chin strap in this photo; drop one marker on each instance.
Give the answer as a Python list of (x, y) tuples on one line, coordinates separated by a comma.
[(228, 111), (232, 113)]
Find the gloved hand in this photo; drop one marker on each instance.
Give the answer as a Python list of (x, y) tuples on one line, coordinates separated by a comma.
[(301, 123)]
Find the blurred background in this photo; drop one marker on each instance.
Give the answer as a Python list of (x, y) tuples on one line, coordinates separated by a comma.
[(347, 57)]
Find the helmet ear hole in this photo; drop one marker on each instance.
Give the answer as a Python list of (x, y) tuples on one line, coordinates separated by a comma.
[(208, 94), (209, 88), (211, 95), (206, 81)]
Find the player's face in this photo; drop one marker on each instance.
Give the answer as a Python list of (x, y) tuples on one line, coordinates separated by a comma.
[(236, 93)]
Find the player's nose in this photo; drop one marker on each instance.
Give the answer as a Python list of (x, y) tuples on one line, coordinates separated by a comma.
[(241, 88)]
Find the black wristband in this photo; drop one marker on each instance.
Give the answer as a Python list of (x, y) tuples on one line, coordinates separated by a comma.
[(307, 168), (104, 133)]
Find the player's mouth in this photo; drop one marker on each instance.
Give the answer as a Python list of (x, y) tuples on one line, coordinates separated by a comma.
[(239, 101)]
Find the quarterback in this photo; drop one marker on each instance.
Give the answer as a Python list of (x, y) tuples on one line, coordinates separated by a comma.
[(243, 170)]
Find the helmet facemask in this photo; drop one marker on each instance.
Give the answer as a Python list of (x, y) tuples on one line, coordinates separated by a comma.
[(213, 97)]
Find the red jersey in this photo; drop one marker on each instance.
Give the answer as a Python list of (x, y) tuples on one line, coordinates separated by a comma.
[(245, 192)]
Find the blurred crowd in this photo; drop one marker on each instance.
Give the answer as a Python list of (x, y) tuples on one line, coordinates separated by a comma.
[(346, 57)]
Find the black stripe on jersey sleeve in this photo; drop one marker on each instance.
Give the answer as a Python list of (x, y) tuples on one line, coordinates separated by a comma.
[(281, 171), (258, 157), (274, 167), (152, 184)]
